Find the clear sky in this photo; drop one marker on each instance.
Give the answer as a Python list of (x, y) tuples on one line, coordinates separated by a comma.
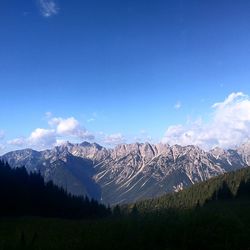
[(122, 70)]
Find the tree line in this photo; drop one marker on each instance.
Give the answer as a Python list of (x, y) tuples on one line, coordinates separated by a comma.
[(232, 185), (26, 194)]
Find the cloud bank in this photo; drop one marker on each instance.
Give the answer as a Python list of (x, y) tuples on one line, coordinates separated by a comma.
[(229, 125)]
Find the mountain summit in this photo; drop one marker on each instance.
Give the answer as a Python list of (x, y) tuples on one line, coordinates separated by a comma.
[(128, 172)]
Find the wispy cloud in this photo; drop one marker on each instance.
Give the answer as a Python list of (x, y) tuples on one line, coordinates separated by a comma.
[(48, 8), (93, 117), (2, 147), (17, 142), (177, 105), (114, 139), (143, 136), (229, 125), (48, 115)]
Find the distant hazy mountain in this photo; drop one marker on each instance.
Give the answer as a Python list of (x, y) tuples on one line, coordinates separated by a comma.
[(128, 172)]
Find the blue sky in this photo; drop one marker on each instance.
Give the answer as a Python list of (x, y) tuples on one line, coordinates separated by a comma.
[(119, 71)]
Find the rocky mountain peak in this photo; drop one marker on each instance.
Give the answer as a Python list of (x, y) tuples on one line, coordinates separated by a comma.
[(129, 171), (217, 152)]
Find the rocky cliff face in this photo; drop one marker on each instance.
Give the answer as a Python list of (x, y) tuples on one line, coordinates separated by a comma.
[(129, 171)]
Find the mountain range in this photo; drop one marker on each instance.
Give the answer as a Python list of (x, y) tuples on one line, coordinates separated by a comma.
[(128, 172)]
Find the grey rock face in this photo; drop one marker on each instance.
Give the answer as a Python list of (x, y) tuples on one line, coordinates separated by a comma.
[(129, 171)]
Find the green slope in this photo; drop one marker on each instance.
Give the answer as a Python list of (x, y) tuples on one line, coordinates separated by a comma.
[(221, 187), (210, 215)]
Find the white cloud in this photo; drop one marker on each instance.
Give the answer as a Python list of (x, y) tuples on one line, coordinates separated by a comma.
[(65, 126), (177, 105), (114, 139), (143, 137), (229, 126), (70, 127), (42, 138), (60, 131), (230, 99), (48, 7), (60, 142), (17, 142)]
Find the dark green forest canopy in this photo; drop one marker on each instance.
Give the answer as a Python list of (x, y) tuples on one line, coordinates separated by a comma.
[(209, 215), (27, 194), (229, 185)]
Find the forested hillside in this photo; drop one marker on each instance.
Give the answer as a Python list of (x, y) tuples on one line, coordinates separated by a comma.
[(209, 215), (232, 185), (27, 194)]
